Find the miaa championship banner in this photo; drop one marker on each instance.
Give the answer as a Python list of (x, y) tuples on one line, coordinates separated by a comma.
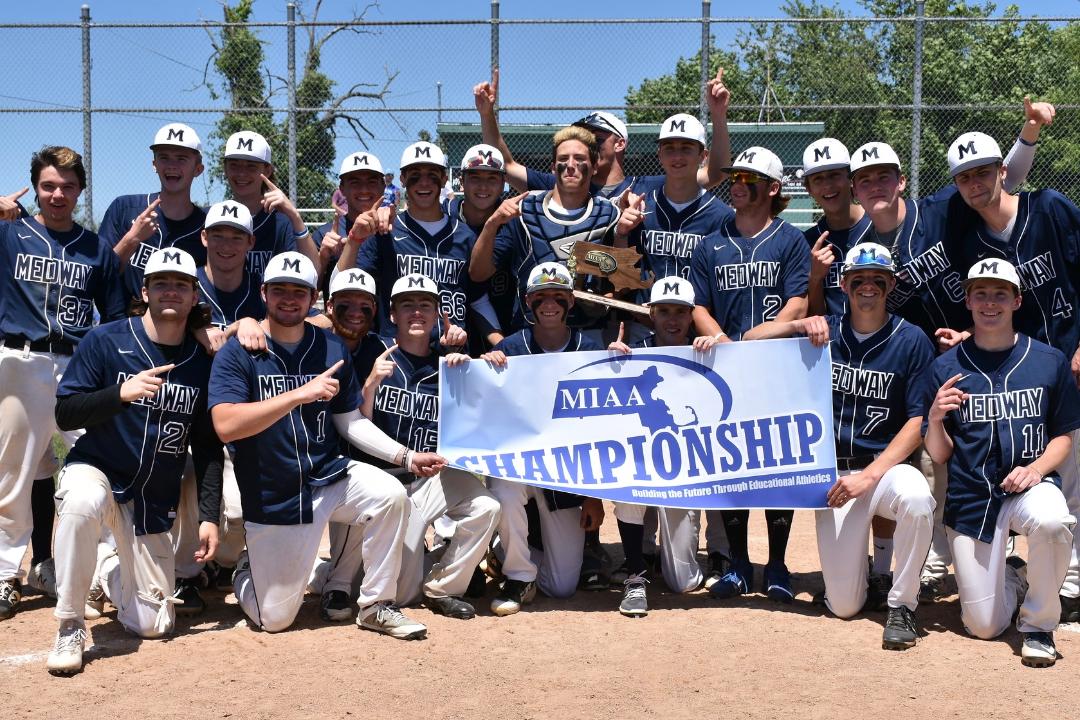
[(745, 425)]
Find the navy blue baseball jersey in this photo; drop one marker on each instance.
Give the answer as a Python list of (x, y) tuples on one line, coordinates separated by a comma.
[(840, 241), (542, 234), (407, 402), (1045, 248), (185, 234), (539, 180), (51, 281), (877, 383), (277, 468), (273, 235), (1018, 401), (524, 343), (744, 282), (142, 449), (667, 236), (929, 286), (228, 307), (409, 248)]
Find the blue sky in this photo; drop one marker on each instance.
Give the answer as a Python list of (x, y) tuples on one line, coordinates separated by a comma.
[(162, 69)]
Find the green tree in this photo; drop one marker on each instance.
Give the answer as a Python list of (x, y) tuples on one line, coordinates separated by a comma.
[(238, 60)]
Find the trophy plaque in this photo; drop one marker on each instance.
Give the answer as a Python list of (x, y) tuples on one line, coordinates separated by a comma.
[(616, 265)]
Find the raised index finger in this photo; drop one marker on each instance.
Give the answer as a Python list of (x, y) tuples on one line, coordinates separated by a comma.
[(334, 368), (160, 369), (953, 380), (17, 195), (387, 352), (269, 184), (495, 82), (719, 75)]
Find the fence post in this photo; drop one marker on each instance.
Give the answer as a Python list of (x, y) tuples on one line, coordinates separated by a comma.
[(291, 33), (916, 99), (494, 40), (88, 148), (706, 47)]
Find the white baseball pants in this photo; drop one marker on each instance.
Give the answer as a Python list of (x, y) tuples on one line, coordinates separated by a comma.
[(843, 536), (375, 508), (990, 590), (679, 530)]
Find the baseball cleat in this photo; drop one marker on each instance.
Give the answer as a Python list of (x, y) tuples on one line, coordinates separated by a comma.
[(450, 607), (1070, 609), (335, 606), (877, 592), (511, 596), (931, 588), (900, 632), (387, 619), (10, 595), (1038, 650), (66, 657), (42, 577), (736, 581), (190, 600), (635, 602), (718, 566), (777, 582), (491, 566), (95, 601)]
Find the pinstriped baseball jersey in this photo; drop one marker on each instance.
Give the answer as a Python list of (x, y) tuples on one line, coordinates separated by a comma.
[(51, 281), (840, 241), (744, 282), (143, 448), (877, 383), (185, 234), (1045, 248), (277, 467), (667, 236), (228, 307), (1019, 400)]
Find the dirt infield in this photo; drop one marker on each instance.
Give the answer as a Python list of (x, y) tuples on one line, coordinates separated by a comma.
[(692, 657)]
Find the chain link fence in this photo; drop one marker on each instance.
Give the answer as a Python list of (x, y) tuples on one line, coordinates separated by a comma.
[(320, 89)]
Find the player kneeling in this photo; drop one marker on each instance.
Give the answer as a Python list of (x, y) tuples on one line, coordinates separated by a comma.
[(410, 367), (564, 517), (671, 306), (138, 386), (1000, 409), (878, 426), (283, 410)]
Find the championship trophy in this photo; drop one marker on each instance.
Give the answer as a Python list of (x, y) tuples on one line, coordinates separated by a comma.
[(616, 265)]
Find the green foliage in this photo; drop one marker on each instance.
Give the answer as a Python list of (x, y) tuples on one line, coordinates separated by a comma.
[(974, 76)]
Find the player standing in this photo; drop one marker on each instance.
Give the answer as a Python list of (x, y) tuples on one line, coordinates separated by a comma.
[(137, 225), (284, 411), (139, 388), (878, 361), (1039, 233), (1001, 406), (671, 308), (751, 272), (53, 273), (401, 396), (564, 518)]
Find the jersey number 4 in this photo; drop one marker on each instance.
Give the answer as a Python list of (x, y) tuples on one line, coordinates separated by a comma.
[(1061, 308)]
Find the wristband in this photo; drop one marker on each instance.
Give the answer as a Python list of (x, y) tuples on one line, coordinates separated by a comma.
[(304, 234), (719, 335), (1022, 141)]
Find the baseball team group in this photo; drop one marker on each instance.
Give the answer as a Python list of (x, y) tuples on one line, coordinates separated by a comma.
[(233, 386)]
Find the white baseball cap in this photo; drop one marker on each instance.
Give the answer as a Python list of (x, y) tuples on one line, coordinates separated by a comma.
[(231, 213), (672, 290), (874, 153), (352, 279), (170, 260), (247, 145), (604, 121), (483, 157), (290, 267), (423, 153), (972, 149), (868, 256), (682, 126), (825, 154), (759, 160), (549, 275), (414, 283), (359, 162), (993, 269), (177, 135)]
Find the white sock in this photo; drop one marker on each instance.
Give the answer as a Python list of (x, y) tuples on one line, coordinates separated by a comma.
[(883, 555)]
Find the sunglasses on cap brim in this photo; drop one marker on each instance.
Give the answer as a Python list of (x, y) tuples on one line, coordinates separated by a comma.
[(594, 121), (747, 178)]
